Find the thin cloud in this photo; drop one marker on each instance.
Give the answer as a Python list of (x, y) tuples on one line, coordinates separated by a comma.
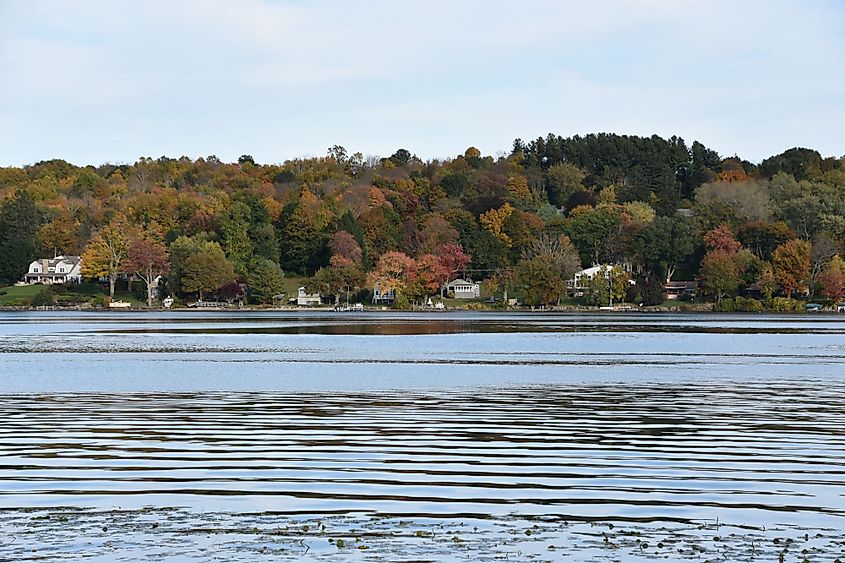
[(95, 81)]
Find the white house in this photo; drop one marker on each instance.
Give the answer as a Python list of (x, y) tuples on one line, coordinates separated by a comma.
[(305, 299), (381, 297), (61, 269), (463, 289), (580, 281)]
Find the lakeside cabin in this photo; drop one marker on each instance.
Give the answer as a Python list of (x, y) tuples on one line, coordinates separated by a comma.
[(305, 299), (58, 270), (580, 282), (681, 289), (463, 289), (381, 296)]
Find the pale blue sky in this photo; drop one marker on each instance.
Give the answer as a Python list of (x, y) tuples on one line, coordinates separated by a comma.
[(112, 80)]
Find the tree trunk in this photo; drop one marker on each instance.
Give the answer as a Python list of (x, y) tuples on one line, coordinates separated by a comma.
[(149, 294), (112, 280)]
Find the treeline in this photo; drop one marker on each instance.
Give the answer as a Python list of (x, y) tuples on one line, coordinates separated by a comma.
[(525, 222)]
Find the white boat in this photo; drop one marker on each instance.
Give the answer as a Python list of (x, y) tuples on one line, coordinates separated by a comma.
[(119, 305), (348, 308)]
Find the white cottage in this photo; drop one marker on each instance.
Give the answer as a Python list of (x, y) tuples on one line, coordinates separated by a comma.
[(383, 296), (61, 269), (305, 299), (579, 283), (463, 289)]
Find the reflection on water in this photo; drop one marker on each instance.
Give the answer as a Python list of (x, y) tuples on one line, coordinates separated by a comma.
[(474, 435), (651, 452)]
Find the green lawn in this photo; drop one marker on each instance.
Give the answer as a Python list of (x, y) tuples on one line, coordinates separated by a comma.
[(18, 295), (81, 293), (292, 283)]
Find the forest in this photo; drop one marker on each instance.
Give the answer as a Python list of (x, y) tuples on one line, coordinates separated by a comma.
[(751, 235)]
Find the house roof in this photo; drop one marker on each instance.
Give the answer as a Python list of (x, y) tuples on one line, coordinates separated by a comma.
[(305, 291), (47, 275), (53, 262), (590, 271), (460, 281)]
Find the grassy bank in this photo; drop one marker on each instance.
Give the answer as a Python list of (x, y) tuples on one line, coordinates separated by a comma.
[(77, 294)]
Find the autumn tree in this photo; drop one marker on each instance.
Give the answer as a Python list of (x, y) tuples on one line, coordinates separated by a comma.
[(452, 259), (207, 270), (434, 232), (344, 245), (394, 271), (824, 249), (106, 254), (545, 267), (791, 264), (518, 190), (147, 259), (767, 281), (179, 251), (720, 273), (749, 200), (60, 235), (431, 274), (832, 279), (382, 228), (540, 282), (722, 238), (494, 222)]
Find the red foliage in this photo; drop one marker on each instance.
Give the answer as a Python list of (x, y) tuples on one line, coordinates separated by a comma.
[(452, 258), (722, 238), (344, 245)]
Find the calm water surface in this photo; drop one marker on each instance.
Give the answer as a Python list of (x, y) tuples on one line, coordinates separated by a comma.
[(577, 427)]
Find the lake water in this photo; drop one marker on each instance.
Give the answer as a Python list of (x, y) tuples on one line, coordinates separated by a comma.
[(421, 437)]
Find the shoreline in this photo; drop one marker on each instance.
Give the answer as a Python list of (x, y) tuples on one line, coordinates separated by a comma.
[(702, 309), (67, 532)]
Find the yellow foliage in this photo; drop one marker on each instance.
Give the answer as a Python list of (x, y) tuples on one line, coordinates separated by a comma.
[(607, 196), (494, 221), (377, 198), (274, 208), (518, 188), (580, 210), (472, 152)]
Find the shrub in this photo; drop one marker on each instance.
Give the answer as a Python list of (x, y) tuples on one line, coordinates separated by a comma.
[(44, 297), (71, 299), (747, 305), (726, 305), (782, 304)]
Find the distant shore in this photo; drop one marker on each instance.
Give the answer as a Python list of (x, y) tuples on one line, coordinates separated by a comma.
[(701, 308)]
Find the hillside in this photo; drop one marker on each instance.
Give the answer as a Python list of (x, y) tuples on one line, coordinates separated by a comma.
[(525, 221)]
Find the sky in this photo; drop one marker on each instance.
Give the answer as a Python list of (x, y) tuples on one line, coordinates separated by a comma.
[(113, 80)]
